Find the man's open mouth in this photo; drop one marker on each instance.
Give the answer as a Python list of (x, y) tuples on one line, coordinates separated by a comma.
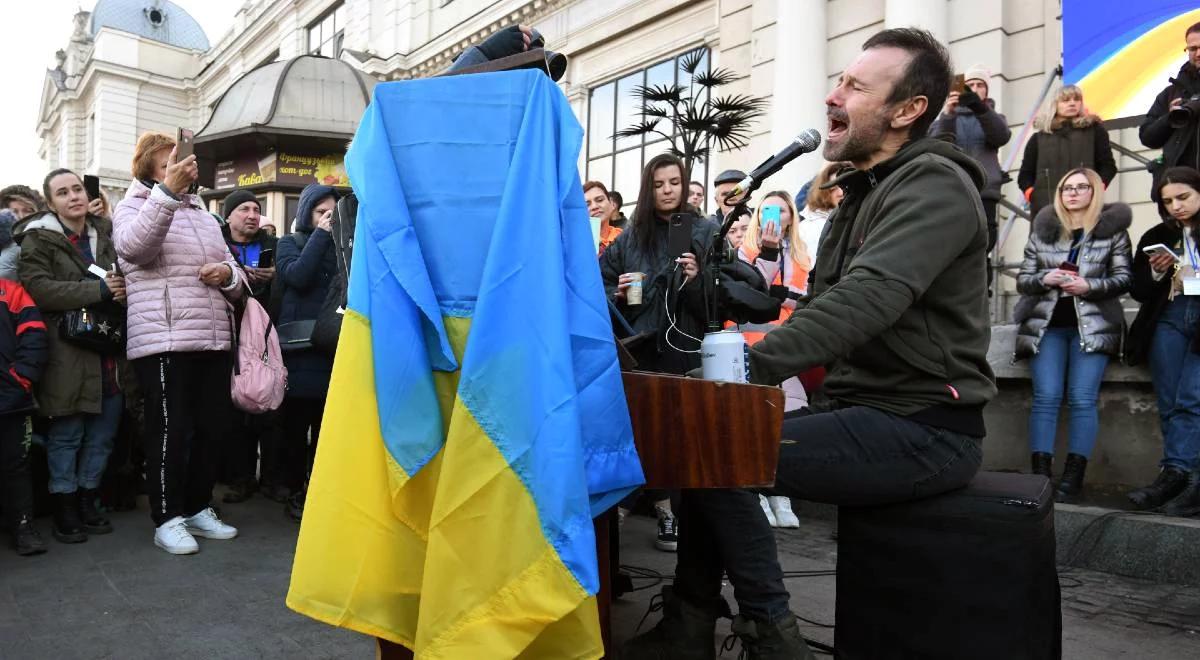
[(837, 128)]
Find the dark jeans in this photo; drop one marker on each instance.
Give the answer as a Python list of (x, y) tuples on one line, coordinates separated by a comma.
[(240, 460), (15, 473), (292, 457), (855, 456), (1176, 373), (188, 415)]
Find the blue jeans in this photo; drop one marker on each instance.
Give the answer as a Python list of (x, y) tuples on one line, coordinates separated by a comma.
[(1176, 373), (78, 446), (1059, 361)]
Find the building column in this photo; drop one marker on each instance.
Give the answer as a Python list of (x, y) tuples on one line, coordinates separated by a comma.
[(800, 86), (932, 15)]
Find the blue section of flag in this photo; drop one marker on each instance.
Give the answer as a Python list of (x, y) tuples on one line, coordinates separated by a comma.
[(1095, 30)]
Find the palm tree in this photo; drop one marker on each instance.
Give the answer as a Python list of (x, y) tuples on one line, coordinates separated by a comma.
[(698, 120)]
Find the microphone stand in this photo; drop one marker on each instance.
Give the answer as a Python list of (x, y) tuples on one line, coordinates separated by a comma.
[(716, 255)]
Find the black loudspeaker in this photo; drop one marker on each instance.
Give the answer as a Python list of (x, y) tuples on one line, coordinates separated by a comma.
[(966, 574)]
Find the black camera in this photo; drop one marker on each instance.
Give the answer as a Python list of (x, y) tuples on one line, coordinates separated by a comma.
[(1185, 113)]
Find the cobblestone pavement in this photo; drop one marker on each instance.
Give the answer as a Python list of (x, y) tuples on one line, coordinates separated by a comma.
[(118, 596)]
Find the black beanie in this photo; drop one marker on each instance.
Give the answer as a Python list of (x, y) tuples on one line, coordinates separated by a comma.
[(236, 199)]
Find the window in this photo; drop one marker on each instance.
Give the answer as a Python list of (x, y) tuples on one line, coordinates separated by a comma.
[(291, 204), (326, 33), (617, 162)]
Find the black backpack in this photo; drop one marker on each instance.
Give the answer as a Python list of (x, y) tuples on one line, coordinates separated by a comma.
[(329, 321)]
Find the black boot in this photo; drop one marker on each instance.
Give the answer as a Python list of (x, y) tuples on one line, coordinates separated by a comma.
[(1071, 485), (93, 521), (1187, 502), (685, 632), (240, 491), (1169, 483), (771, 641), (26, 538), (1043, 464), (67, 526)]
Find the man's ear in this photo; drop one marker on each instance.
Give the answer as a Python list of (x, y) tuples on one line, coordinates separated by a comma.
[(908, 111)]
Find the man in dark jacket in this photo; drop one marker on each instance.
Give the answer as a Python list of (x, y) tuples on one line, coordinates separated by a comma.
[(971, 119), (254, 249), (897, 311), (250, 244), (1180, 143)]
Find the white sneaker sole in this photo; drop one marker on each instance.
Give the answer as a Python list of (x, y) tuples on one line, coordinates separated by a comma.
[(216, 536), (176, 550)]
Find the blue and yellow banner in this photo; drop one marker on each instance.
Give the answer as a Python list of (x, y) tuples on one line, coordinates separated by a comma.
[(1122, 52), (476, 420)]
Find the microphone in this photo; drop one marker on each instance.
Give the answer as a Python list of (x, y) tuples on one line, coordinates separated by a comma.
[(804, 143)]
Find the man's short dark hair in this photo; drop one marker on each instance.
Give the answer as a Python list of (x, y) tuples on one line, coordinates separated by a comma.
[(697, 183), (1195, 27), (928, 74), (615, 198)]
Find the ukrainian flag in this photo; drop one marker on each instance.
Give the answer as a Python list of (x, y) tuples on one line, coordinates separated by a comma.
[(476, 420)]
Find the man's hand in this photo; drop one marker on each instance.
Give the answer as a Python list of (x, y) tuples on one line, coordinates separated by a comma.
[(260, 275), (1175, 103), (690, 268), (951, 104), (216, 274)]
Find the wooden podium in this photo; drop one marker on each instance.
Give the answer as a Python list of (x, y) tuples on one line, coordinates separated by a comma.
[(690, 433)]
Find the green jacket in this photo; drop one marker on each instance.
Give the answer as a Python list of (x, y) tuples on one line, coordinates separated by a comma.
[(897, 305), (55, 274)]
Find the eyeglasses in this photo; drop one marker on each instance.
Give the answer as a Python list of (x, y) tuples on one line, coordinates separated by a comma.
[(1081, 188)]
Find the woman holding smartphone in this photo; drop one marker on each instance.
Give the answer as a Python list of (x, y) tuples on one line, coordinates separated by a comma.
[(1167, 332), (775, 246), (1076, 267)]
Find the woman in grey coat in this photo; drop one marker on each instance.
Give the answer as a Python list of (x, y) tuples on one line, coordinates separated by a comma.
[(1076, 266)]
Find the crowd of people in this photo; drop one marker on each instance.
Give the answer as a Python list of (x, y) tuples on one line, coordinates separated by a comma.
[(863, 297), (118, 338)]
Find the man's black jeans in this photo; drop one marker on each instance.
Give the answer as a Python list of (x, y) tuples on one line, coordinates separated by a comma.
[(855, 456)]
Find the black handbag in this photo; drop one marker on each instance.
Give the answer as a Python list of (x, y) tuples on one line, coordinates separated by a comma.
[(97, 328), (296, 335)]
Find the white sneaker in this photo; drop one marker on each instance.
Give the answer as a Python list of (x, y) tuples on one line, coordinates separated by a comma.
[(206, 524), (173, 537), (782, 507), (766, 507)]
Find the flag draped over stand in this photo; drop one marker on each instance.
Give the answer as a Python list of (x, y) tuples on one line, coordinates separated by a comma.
[(476, 420)]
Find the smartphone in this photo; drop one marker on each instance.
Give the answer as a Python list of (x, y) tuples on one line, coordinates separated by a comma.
[(770, 215), (960, 84), (1159, 248), (184, 146), (91, 183), (679, 235), (1069, 267), (266, 258)]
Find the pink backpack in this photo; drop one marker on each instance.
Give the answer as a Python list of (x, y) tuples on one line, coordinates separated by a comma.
[(259, 377)]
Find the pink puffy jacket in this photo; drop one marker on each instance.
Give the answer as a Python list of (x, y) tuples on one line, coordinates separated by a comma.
[(161, 243)]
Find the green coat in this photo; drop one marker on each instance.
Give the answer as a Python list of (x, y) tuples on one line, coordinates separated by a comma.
[(897, 306), (56, 275)]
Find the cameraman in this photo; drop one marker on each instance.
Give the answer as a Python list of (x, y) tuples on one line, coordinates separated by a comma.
[(1173, 122)]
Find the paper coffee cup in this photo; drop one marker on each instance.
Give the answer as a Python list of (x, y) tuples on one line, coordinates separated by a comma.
[(633, 295)]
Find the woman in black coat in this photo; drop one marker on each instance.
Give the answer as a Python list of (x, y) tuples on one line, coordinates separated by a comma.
[(305, 266), (1167, 333)]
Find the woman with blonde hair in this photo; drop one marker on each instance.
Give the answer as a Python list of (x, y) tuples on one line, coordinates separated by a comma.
[(1068, 137), (779, 252), (1076, 266)]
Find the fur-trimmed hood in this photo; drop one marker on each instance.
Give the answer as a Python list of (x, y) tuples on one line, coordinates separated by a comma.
[(1114, 218), (1082, 121)]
